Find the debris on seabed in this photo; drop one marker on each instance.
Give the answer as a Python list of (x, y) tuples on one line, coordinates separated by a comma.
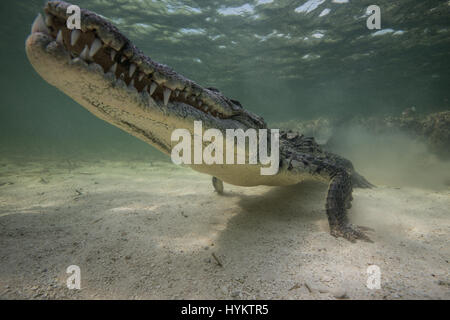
[(217, 259)]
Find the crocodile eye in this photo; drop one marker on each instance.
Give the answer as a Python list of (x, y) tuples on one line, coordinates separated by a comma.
[(213, 89), (236, 102)]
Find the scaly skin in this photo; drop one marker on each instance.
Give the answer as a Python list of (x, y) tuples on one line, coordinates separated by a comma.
[(104, 72)]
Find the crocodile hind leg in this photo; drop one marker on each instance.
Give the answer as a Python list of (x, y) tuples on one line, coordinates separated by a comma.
[(338, 200), (358, 181), (218, 185)]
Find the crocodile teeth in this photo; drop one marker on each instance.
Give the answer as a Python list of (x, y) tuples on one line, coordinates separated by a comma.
[(39, 25), (141, 76), (74, 36), (123, 59), (59, 37), (113, 54), (167, 93), (131, 84), (153, 88), (95, 46), (206, 109), (113, 68), (132, 69), (185, 95), (177, 93), (145, 88), (84, 53), (77, 60)]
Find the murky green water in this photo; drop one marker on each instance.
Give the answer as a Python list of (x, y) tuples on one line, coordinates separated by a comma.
[(75, 190), (280, 59)]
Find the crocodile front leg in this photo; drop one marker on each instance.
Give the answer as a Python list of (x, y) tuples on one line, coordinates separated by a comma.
[(338, 200), (302, 156)]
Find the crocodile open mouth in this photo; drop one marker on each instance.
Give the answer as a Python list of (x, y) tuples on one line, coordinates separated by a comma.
[(73, 59), (100, 42)]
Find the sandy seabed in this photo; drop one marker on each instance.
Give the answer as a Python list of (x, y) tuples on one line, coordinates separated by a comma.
[(141, 230)]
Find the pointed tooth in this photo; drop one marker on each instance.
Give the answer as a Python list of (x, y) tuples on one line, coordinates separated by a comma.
[(206, 108), (113, 54), (177, 93), (79, 61), (59, 37), (153, 87), (84, 53), (113, 68), (193, 99), (76, 60), (141, 76), (167, 93), (95, 46), (132, 69), (123, 59), (145, 88), (185, 95), (131, 84), (74, 36), (39, 25)]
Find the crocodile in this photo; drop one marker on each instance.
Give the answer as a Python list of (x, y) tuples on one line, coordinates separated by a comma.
[(102, 70)]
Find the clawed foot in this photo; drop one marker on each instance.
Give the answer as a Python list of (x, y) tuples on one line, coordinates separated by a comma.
[(351, 232)]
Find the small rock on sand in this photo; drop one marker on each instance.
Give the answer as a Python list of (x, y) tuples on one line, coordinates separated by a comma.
[(339, 293)]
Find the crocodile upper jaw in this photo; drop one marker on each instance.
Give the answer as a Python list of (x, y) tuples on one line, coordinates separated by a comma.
[(103, 71)]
